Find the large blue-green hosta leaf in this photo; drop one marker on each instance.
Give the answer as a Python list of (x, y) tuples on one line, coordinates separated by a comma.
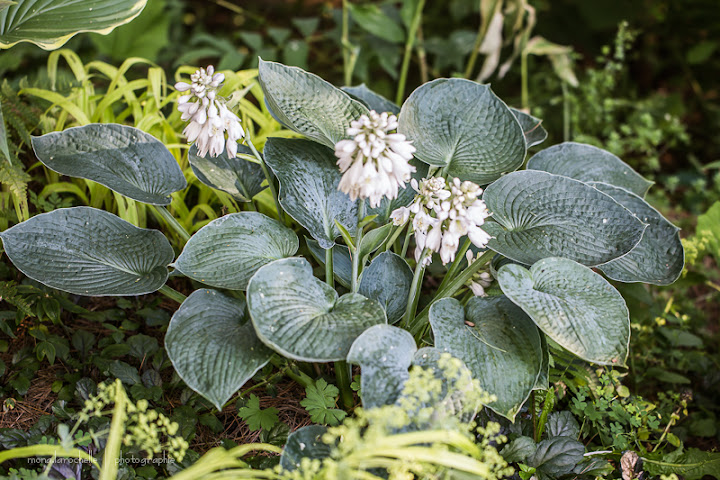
[(301, 317), (86, 251), (238, 177), (305, 442), (659, 257), (538, 215), (124, 159), (384, 354), (532, 127), (309, 179), (213, 347), (308, 104), (573, 305), (50, 23), (388, 279), (589, 164), (463, 124), (497, 341), (226, 252), (371, 99)]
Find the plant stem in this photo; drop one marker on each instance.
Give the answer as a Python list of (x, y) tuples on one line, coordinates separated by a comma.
[(524, 81), (459, 257), (172, 294), (114, 440), (406, 243), (342, 376), (172, 222), (566, 113), (298, 376), (356, 253), (414, 295), (412, 32), (349, 56), (329, 275), (268, 177), (391, 240)]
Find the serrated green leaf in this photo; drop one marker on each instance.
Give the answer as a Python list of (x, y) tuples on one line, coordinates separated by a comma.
[(497, 341), (124, 159), (562, 424), (302, 317), (228, 251), (258, 418), (589, 164), (388, 279), (384, 354), (239, 177), (518, 450), (463, 124), (659, 258), (308, 104), (87, 251), (573, 305), (538, 215), (556, 456), (212, 347), (51, 23), (319, 401)]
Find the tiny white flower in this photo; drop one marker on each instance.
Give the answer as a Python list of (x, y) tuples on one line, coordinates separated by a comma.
[(400, 215), (210, 119), (374, 162)]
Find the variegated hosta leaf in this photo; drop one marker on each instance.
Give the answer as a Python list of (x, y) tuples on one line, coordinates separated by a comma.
[(497, 341), (213, 347), (226, 252), (87, 251), (124, 159), (538, 215), (574, 306), (465, 125), (302, 318)]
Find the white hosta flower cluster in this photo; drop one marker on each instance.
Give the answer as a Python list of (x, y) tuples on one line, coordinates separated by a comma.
[(210, 119), (442, 214), (375, 162), (481, 280)]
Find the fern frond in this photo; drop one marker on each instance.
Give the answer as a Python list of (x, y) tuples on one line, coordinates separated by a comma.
[(9, 293)]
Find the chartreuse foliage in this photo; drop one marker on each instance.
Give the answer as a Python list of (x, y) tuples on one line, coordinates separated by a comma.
[(574, 213)]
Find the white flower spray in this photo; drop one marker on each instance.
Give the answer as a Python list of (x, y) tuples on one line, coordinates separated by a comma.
[(210, 119), (442, 214), (375, 162)]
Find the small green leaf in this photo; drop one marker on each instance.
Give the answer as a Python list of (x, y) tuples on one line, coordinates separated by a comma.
[(319, 401), (3, 132), (375, 21), (349, 241), (258, 418), (562, 424), (556, 456), (45, 350), (372, 240), (518, 450)]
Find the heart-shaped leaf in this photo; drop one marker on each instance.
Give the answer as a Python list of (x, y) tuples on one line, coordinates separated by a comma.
[(589, 164), (302, 318), (309, 192), (342, 263), (124, 159), (305, 442), (239, 177), (538, 215), (384, 354), (659, 257), (371, 99), (533, 131), (308, 104), (573, 305), (388, 279), (51, 23), (556, 456), (87, 251), (465, 125), (213, 347), (226, 252), (497, 341)]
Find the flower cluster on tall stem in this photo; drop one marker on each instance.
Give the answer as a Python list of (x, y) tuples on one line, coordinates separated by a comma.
[(374, 162), (210, 119), (442, 214)]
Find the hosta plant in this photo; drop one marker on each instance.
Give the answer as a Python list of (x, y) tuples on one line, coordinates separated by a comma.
[(529, 254)]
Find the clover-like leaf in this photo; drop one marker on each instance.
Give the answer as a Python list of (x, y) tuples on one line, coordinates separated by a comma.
[(384, 354), (463, 124), (309, 192), (124, 159), (659, 257), (589, 164), (308, 104), (226, 252), (239, 177), (305, 442), (532, 127), (87, 251), (388, 279), (50, 23), (573, 305), (213, 347), (301, 317), (371, 100), (498, 343), (538, 215)]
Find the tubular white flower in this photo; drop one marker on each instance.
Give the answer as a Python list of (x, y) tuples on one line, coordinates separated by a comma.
[(481, 280), (375, 162), (210, 119), (442, 214)]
